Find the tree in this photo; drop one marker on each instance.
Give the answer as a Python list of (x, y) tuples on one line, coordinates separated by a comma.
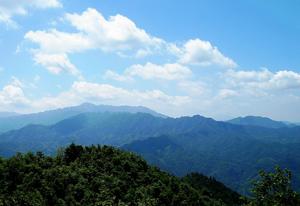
[(274, 189)]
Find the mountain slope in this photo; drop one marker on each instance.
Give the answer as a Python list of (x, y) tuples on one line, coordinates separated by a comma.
[(231, 153), (259, 121), (234, 161), (101, 176), (8, 114), (53, 116)]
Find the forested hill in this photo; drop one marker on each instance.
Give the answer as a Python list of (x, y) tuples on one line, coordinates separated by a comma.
[(102, 175), (231, 153)]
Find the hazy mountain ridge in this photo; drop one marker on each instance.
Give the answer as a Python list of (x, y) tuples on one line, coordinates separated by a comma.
[(260, 121), (50, 117), (234, 161), (8, 114), (232, 153)]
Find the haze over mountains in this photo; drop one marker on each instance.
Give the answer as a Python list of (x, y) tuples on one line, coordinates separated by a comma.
[(230, 152), (8, 114), (260, 121), (10, 121)]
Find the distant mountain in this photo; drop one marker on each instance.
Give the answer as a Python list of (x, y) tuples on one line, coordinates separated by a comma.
[(10, 122), (260, 121), (234, 161), (231, 153), (103, 176), (8, 114)]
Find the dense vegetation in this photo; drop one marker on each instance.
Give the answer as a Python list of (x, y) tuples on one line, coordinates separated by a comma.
[(233, 161), (214, 189), (274, 189), (231, 153), (101, 176)]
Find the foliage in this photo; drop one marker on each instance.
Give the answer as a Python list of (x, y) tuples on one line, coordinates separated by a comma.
[(274, 189), (95, 175), (213, 188)]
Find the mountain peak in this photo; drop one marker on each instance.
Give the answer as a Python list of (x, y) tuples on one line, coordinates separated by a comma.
[(8, 114), (87, 104), (258, 121)]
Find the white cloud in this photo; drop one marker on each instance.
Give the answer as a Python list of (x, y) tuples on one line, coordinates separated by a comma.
[(82, 91), (250, 76), (109, 74), (11, 8), (56, 63), (155, 71), (151, 71), (202, 53), (120, 35), (53, 41), (193, 88), (52, 55), (116, 34), (284, 80), (12, 95), (264, 79), (226, 93)]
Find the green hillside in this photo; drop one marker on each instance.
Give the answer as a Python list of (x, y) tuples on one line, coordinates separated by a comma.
[(101, 176), (231, 153)]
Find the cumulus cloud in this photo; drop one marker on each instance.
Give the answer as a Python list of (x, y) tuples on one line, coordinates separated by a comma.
[(12, 95), (52, 55), (11, 8), (82, 91), (226, 93), (56, 63), (193, 88), (109, 74), (116, 34), (120, 35), (154, 71), (53, 41), (151, 71), (201, 53), (264, 79)]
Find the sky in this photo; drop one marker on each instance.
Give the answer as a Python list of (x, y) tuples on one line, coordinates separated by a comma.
[(179, 58)]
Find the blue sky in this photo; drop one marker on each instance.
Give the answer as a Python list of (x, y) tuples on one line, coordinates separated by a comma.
[(177, 57)]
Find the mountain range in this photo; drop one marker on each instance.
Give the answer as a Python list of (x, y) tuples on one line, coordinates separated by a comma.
[(260, 121), (8, 114), (10, 121), (229, 152)]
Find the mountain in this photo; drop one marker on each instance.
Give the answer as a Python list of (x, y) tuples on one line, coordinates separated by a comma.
[(259, 121), (8, 114), (233, 161), (231, 153), (102, 175), (10, 122)]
